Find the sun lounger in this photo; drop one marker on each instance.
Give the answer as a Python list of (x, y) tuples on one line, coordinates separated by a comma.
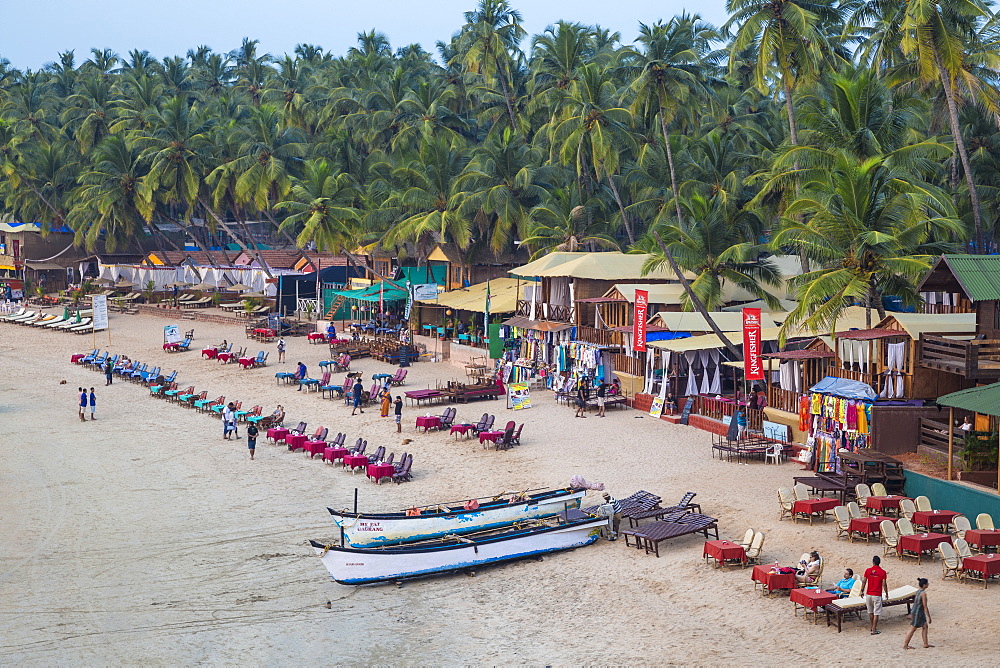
[(650, 536), (855, 604)]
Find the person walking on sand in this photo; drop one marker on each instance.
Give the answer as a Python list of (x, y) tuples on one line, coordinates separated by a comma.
[(581, 400), (227, 420), (602, 392), (83, 404), (93, 404), (398, 410), (108, 372), (356, 392), (281, 351), (252, 438), (300, 374), (875, 585), (920, 615)]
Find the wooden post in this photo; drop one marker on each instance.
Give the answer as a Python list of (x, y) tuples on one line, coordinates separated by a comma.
[(951, 438)]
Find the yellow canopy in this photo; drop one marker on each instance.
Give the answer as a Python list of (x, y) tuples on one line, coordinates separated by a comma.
[(692, 321), (916, 324), (659, 293), (607, 266), (503, 297), (710, 341)]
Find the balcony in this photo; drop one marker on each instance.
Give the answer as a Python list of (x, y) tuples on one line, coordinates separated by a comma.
[(546, 312), (976, 360)]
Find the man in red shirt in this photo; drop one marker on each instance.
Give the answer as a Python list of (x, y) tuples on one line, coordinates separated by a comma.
[(875, 587)]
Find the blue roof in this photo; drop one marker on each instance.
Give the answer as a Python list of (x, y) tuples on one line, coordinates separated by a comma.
[(842, 387)]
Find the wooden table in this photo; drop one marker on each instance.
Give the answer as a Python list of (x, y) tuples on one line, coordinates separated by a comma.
[(772, 581), (416, 396), (933, 518), (810, 599), (921, 542), (724, 551), (986, 565), (813, 507), (983, 538)]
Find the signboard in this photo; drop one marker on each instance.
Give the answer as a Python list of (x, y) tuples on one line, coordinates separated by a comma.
[(686, 413), (657, 408), (752, 367), (425, 291), (639, 321), (775, 431), (171, 334), (100, 306), (518, 396)]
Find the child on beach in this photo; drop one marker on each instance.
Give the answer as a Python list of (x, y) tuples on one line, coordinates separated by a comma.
[(398, 410), (252, 439)]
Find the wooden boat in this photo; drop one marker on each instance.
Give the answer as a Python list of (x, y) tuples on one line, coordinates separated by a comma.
[(357, 566), (374, 529)]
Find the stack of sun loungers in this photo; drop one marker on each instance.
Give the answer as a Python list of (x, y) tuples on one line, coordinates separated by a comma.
[(42, 320)]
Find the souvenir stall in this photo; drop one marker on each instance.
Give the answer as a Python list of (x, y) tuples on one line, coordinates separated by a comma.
[(839, 413)]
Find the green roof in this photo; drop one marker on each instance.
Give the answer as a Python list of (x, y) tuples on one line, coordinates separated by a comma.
[(984, 400), (373, 293), (978, 274)]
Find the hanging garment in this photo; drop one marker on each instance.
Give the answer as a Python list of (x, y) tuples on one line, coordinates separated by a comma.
[(647, 386), (852, 415), (716, 387), (804, 416)]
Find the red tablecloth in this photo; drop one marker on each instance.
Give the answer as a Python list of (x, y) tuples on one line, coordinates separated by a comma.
[(772, 581), (811, 598), (987, 564), (883, 502), (922, 542), (225, 357), (933, 518), (378, 471), (277, 434), (868, 525), (330, 454), (313, 336), (170, 346), (981, 538), (723, 551), (352, 461), (315, 448), (247, 362), (296, 441), (76, 358), (462, 429), (428, 422), (263, 331), (490, 436), (210, 353), (812, 506)]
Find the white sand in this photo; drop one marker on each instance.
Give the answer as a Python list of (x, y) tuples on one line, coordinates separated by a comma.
[(144, 537)]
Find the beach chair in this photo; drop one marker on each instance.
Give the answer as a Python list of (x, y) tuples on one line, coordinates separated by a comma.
[(146, 376), (314, 385), (243, 415), (316, 444), (399, 378), (951, 565), (261, 359), (320, 431), (388, 460), (217, 409), (923, 504), (263, 420), (843, 519), (377, 455), (878, 489), (890, 537), (962, 547), (187, 397), (327, 387), (135, 373), (300, 428), (158, 390), (746, 540), (984, 522), (203, 405), (755, 549), (182, 346), (801, 492), (338, 441), (484, 426), (854, 510), (862, 492), (516, 440), (960, 525), (786, 500), (447, 418), (853, 604), (403, 474), (359, 448), (905, 527), (907, 508), (168, 379)]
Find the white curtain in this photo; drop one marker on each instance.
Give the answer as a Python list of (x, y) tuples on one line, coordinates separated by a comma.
[(895, 357), (705, 382), (665, 377), (785, 370), (692, 384), (717, 377), (647, 387), (559, 292)]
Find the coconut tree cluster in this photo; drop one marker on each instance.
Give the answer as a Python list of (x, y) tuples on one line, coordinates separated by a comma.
[(858, 135)]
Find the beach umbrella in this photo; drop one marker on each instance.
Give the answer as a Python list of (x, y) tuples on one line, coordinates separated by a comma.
[(124, 284), (240, 287), (253, 294), (103, 281), (203, 286), (178, 284), (66, 313), (78, 318)]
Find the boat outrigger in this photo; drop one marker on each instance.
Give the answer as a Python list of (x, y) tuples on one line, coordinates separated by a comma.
[(357, 566), (377, 529)]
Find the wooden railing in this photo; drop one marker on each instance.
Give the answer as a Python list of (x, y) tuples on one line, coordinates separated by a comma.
[(964, 307), (977, 359), (719, 408), (631, 365), (601, 337), (546, 311), (784, 400), (934, 435)]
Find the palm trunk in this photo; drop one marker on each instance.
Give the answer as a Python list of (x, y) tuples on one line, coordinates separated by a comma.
[(621, 207), (506, 96), (670, 164), (232, 234), (793, 138), (698, 304), (956, 134)]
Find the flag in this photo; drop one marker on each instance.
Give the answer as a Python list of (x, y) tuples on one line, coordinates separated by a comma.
[(753, 369), (639, 321), (486, 314)]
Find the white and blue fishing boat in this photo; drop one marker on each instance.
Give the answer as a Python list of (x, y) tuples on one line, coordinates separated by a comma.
[(376, 529), (357, 566)]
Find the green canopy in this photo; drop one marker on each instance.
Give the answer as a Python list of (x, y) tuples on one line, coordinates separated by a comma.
[(372, 292), (984, 400), (437, 273)]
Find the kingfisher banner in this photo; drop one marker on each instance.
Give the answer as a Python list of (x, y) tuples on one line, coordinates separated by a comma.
[(752, 367), (639, 320)]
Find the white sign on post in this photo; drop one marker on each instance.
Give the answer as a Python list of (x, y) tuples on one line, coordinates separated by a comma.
[(100, 306), (171, 334), (425, 291)]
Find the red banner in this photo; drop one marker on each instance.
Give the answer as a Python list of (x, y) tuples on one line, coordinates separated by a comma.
[(752, 366), (639, 321)]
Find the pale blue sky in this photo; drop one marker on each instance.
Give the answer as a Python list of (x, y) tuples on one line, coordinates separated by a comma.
[(35, 31)]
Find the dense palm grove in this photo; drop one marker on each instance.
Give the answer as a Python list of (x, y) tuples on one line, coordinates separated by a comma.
[(859, 135)]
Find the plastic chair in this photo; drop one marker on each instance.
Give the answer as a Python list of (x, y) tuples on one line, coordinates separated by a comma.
[(776, 452)]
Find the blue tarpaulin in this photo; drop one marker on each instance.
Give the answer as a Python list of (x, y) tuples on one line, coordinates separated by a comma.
[(842, 387), (667, 336)]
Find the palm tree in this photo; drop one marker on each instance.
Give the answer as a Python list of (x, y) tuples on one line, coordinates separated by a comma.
[(490, 42), (320, 207), (565, 222)]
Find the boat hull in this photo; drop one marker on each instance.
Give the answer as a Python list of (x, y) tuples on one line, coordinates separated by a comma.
[(396, 528), (351, 566)]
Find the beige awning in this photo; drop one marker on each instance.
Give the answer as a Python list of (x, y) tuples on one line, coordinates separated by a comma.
[(692, 321), (606, 266), (915, 324), (710, 341), (503, 297)]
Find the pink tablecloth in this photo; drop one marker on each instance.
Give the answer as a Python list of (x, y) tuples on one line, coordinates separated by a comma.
[(490, 436), (225, 357), (296, 441), (170, 346), (210, 353), (330, 454), (429, 422), (352, 461), (316, 336), (883, 502), (277, 434), (246, 362), (76, 358), (378, 471), (315, 448), (462, 429)]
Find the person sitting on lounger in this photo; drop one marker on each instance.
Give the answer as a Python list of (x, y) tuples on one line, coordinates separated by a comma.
[(808, 572), (843, 588)]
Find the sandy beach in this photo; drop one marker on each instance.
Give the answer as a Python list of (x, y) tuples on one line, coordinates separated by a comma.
[(143, 537)]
